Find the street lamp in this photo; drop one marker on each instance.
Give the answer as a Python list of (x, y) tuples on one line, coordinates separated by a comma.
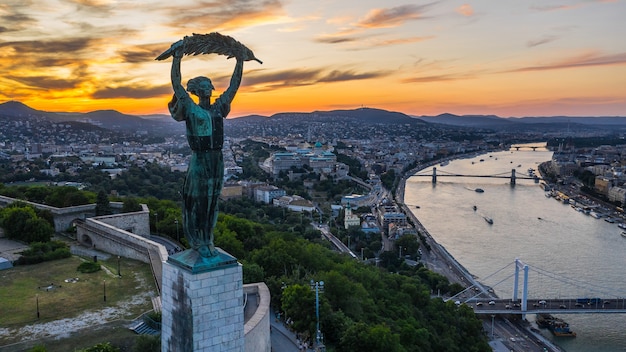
[(177, 237), (318, 286), (156, 222), (37, 306), (104, 285), (118, 267)]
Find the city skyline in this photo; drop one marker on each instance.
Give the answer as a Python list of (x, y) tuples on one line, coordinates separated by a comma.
[(511, 59)]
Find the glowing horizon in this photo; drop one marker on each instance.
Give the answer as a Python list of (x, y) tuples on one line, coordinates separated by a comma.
[(478, 58)]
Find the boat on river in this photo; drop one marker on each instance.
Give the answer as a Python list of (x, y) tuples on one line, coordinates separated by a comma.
[(488, 220), (479, 190), (557, 326)]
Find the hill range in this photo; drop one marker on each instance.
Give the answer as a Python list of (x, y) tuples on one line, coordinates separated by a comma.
[(164, 124)]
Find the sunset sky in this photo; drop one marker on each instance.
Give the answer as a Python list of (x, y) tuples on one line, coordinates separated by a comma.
[(503, 57)]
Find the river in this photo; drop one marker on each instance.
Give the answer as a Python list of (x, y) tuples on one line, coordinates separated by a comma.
[(585, 255)]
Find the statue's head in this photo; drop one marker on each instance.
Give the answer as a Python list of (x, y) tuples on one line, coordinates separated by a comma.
[(200, 86)]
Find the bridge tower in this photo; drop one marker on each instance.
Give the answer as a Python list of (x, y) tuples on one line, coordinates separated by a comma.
[(512, 177), (519, 264), (434, 175)]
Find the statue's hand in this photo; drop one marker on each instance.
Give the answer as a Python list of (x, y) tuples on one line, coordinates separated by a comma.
[(178, 49)]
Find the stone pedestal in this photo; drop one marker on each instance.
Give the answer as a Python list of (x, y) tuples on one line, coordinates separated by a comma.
[(202, 303)]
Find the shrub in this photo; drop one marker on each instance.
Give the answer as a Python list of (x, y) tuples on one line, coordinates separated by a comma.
[(102, 347), (88, 267), (39, 252), (146, 343)]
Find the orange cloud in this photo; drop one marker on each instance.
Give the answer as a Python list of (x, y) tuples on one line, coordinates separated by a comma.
[(465, 10), (585, 60), (392, 17)]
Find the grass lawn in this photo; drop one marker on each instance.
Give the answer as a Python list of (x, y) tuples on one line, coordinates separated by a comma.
[(27, 290)]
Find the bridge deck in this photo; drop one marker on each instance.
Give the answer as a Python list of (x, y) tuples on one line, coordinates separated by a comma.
[(551, 306)]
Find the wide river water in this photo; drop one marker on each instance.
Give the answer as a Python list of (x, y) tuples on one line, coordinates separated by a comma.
[(570, 254)]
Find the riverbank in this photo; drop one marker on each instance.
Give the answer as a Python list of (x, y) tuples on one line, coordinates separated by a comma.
[(510, 334)]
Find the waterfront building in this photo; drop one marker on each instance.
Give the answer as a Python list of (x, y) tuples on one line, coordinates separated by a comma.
[(617, 194)]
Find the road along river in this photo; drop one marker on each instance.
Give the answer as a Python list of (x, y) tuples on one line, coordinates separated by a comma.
[(542, 232)]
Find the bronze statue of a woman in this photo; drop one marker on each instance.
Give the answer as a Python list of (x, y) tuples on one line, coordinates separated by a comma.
[(205, 133)]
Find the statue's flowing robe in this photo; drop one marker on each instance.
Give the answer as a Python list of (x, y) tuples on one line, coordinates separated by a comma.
[(205, 175)]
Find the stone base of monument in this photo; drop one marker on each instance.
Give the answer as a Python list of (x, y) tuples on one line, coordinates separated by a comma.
[(202, 300)]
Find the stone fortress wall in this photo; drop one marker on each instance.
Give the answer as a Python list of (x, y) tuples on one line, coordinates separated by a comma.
[(127, 235)]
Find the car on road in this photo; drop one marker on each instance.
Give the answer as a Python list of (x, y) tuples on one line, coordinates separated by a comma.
[(562, 306), (492, 303), (542, 302), (479, 304)]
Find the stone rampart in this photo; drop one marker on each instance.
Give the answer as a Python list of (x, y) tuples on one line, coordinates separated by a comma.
[(257, 328), (137, 222), (63, 217)]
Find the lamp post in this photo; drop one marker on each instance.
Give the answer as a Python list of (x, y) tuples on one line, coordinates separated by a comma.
[(104, 285), (318, 286), (177, 236), (156, 222), (118, 267), (37, 306)]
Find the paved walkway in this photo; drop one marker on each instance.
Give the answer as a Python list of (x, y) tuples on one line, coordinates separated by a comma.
[(10, 248), (283, 339)]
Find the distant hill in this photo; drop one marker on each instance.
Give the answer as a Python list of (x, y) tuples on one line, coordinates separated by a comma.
[(361, 115), (468, 120), (548, 123), (165, 125), (107, 119)]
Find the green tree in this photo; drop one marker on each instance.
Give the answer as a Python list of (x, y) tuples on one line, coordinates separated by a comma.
[(131, 204), (37, 230), (298, 303), (409, 245), (103, 206), (14, 219), (252, 272), (377, 338)]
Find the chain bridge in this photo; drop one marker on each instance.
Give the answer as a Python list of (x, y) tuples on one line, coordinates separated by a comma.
[(513, 176)]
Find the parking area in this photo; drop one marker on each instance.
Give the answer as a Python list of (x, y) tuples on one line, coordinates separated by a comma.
[(9, 248)]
